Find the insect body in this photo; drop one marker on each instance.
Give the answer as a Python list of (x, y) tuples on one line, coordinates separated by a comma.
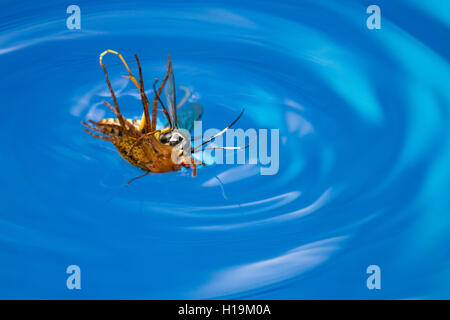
[(138, 141)]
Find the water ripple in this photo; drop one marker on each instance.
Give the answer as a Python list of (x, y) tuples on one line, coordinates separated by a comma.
[(364, 151)]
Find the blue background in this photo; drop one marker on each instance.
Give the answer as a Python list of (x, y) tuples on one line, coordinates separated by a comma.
[(364, 155)]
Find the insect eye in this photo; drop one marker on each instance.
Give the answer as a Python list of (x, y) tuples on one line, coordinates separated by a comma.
[(165, 138), (175, 139)]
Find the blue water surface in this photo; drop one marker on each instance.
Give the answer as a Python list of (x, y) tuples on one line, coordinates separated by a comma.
[(364, 174)]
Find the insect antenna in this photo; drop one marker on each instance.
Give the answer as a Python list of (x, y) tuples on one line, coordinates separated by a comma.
[(221, 132), (223, 148)]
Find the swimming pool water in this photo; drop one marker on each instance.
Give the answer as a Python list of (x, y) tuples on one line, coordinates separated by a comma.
[(363, 179)]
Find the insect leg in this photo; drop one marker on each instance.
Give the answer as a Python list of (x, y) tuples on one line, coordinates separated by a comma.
[(138, 140), (124, 123), (131, 76), (109, 137), (117, 110), (138, 177), (144, 99), (98, 136), (98, 130), (162, 104), (158, 94), (193, 164), (114, 127), (133, 79), (194, 167)]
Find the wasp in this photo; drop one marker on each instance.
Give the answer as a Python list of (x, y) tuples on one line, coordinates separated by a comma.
[(138, 141)]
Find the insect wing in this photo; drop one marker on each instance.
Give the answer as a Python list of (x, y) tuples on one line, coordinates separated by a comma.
[(169, 92), (187, 114)]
